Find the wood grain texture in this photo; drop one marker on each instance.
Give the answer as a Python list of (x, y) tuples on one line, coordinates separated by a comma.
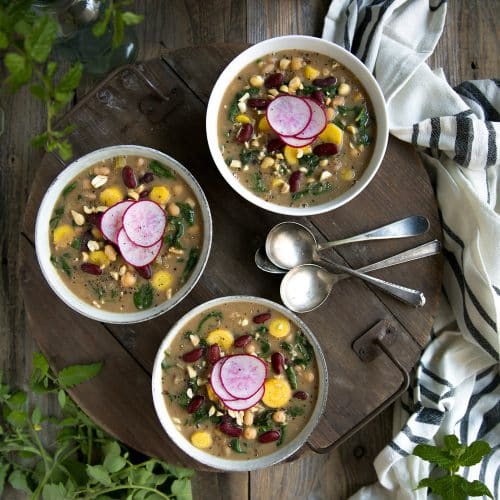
[(467, 50)]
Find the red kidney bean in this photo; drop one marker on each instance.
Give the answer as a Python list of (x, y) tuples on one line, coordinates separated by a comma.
[(145, 271), (242, 341), (230, 429), (147, 177), (261, 318), (195, 404), (275, 145), (325, 149), (192, 356), (128, 176), (94, 219), (257, 103), (86, 237), (269, 437), (245, 133), (91, 269), (325, 82), (277, 362), (213, 353), (294, 181), (319, 97), (144, 194), (274, 80), (300, 395)]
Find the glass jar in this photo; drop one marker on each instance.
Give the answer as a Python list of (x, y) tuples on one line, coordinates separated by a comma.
[(76, 42)]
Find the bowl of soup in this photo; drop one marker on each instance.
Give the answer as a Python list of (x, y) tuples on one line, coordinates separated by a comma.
[(239, 383), (123, 234), (297, 125)]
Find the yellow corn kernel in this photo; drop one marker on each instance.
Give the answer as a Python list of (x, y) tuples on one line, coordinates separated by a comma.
[(243, 119), (99, 258), (347, 174), (161, 280), (211, 394), (291, 154), (111, 196), (264, 125), (276, 183), (224, 338), (160, 194), (277, 393), (201, 439), (279, 327), (63, 235), (332, 133), (310, 73)]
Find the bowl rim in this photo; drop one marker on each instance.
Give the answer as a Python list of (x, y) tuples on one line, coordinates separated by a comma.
[(297, 42), (42, 234), (223, 463)]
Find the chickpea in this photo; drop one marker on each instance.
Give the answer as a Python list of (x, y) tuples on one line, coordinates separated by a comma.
[(296, 63), (110, 252), (128, 280), (308, 376), (178, 189), (250, 348), (329, 113), (250, 433), (279, 417), (173, 209), (248, 417)]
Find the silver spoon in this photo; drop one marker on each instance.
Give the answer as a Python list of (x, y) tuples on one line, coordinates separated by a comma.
[(307, 286), (290, 244)]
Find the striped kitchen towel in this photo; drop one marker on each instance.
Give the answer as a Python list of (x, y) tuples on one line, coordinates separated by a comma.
[(456, 385)]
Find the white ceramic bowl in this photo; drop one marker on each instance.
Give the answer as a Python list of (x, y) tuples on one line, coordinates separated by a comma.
[(224, 463), (42, 234), (303, 43)]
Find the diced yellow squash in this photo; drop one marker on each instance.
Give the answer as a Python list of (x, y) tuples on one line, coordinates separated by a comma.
[(310, 73), (160, 194), (211, 394), (111, 196), (99, 258), (347, 174), (63, 235), (332, 133), (277, 393), (276, 183), (201, 439), (120, 161), (291, 154), (243, 119), (161, 280), (224, 338), (264, 125), (279, 327)]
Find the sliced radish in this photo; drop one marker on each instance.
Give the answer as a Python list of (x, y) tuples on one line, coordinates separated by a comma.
[(136, 255), (288, 115), (144, 222), (244, 404), (317, 123), (216, 382), (297, 143), (111, 220), (242, 375)]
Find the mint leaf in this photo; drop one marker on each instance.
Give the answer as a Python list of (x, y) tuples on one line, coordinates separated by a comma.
[(64, 149), (449, 487), (432, 454), (18, 481), (100, 26), (114, 463), (61, 398), (71, 79), (181, 488), (76, 374), (477, 489), (180, 472), (36, 416), (38, 43), (474, 453), (54, 492), (99, 474), (129, 18), (451, 442), (19, 69)]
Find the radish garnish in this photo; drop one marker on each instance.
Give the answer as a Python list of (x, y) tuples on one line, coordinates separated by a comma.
[(111, 221), (144, 222), (136, 255), (297, 143), (244, 404), (216, 382), (243, 375), (317, 123), (288, 115)]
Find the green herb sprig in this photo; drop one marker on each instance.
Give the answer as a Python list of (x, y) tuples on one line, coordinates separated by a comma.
[(83, 461), (450, 458)]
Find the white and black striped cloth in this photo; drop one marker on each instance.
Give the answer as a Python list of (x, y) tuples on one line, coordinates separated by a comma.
[(456, 385)]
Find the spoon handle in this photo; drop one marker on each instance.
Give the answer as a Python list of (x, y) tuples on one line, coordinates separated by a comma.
[(408, 295), (404, 228)]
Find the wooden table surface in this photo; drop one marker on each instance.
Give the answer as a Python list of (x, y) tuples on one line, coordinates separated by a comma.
[(467, 50)]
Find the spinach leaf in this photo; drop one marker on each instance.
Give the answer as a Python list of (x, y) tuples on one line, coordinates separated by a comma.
[(62, 263), (98, 290), (173, 239), (262, 329), (143, 298), (330, 91), (265, 347), (292, 378), (282, 435), (362, 120), (187, 212), (307, 90), (236, 445), (249, 156), (68, 189), (76, 243), (311, 161), (161, 171), (295, 411), (190, 264), (58, 213), (213, 314), (258, 183), (314, 189), (264, 421), (200, 415)]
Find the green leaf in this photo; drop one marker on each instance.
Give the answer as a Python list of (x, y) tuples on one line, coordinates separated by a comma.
[(51, 69), (451, 442), (129, 18), (449, 487), (118, 29), (158, 169), (76, 374), (100, 26), (181, 488), (54, 492), (71, 79), (477, 489), (18, 481), (39, 92), (432, 454), (17, 400), (19, 69), (61, 397), (4, 469), (187, 212), (179, 472), (36, 415), (64, 150), (38, 43), (99, 474), (192, 260), (143, 298), (474, 453), (4, 41), (258, 183), (114, 464)]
